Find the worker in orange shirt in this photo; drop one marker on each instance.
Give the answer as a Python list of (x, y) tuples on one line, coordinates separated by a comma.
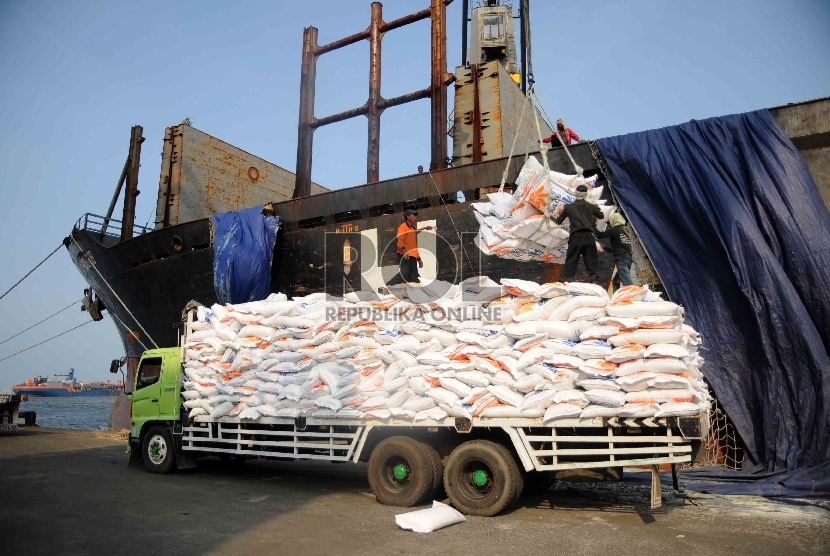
[(410, 259)]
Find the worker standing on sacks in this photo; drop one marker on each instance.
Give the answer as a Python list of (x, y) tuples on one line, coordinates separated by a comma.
[(620, 247), (581, 243)]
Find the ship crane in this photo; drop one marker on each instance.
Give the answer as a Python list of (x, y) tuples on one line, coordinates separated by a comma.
[(70, 376)]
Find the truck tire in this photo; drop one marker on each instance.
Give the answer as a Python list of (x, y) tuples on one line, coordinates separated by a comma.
[(482, 478), (438, 492), (520, 484), (400, 472), (537, 482), (158, 450)]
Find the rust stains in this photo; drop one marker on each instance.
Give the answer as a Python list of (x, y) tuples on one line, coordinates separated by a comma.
[(253, 174)]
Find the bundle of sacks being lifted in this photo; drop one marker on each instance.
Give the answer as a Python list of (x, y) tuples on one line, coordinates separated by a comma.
[(477, 350), (517, 226)]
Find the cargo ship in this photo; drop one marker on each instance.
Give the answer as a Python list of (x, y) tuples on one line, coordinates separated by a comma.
[(144, 277), (66, 385)]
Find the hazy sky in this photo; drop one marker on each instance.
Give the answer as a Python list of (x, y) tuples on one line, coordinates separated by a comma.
[(75, 76)]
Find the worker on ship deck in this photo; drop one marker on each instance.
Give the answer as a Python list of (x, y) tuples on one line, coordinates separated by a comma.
[(567, 134), (409, 257), (581, 243), (620, 247)]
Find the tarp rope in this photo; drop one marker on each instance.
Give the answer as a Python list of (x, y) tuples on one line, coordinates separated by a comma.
[(28, 273), (635, 240)]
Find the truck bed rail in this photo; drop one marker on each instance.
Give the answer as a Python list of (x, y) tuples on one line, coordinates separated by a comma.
[(279, 440), (568, 444)]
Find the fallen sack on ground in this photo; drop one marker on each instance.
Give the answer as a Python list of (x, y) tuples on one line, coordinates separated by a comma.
[(429, 520)]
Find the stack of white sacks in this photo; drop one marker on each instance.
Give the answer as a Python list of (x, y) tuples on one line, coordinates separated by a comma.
[(482, 349), (516, 226)]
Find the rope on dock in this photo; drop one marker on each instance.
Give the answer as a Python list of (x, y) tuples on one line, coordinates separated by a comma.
[(44, 341), (44, 320), (35, 268)]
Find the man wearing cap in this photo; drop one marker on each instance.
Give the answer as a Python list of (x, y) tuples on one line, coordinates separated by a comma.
[(581, 242), (567, 134), (410, 259), (620, 247)]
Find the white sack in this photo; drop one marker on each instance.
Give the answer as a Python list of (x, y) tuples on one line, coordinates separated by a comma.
[(429, 520)]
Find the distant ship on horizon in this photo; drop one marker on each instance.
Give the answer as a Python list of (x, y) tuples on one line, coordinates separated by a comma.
[(66, 385)]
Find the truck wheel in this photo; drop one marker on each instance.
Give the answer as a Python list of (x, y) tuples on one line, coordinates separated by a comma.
[(438, 492), (537, 482), (158, 450), (482, 478), (400, 473)]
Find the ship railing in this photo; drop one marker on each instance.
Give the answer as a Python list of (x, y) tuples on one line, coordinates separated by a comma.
[(107, 226)]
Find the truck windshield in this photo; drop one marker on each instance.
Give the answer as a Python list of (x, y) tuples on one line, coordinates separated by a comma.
[(148, 372)]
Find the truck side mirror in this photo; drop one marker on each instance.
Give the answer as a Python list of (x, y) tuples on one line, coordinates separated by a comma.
[(115, 366)]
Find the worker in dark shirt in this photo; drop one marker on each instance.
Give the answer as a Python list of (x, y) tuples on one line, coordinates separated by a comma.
[(620, 247), (581, 243)]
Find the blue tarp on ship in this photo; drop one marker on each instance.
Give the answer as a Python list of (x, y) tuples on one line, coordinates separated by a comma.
[(733, 222), (243, 250)]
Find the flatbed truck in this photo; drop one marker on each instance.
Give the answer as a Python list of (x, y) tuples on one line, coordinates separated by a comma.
[(483, 464)]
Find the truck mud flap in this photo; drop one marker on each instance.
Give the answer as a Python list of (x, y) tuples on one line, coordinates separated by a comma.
[(135, 457), (185, 461)]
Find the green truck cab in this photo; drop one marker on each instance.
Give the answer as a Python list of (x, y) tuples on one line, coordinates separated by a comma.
[(156, 405)]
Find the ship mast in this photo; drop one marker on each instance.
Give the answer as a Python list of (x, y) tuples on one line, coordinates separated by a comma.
[(375, 104)]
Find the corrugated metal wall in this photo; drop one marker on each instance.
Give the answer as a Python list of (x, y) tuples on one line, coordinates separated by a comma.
[(202, 175)]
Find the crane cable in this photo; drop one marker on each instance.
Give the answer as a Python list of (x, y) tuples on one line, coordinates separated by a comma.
[(48, 339), (95, 268), (457, 233), (39, 322), (576, 166), (513, 147), (27, 274)]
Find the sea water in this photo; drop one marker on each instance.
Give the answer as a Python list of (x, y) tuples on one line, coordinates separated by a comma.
[(71, 413)]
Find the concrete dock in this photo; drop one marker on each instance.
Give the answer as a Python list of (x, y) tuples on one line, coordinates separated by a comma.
[(71, 492)]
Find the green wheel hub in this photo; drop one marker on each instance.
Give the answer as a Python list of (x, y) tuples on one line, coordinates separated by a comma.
[(480, 478), (400, 472)]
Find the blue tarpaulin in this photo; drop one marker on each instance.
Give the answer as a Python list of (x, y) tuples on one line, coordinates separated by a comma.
[(735, 227), (243, 249)]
